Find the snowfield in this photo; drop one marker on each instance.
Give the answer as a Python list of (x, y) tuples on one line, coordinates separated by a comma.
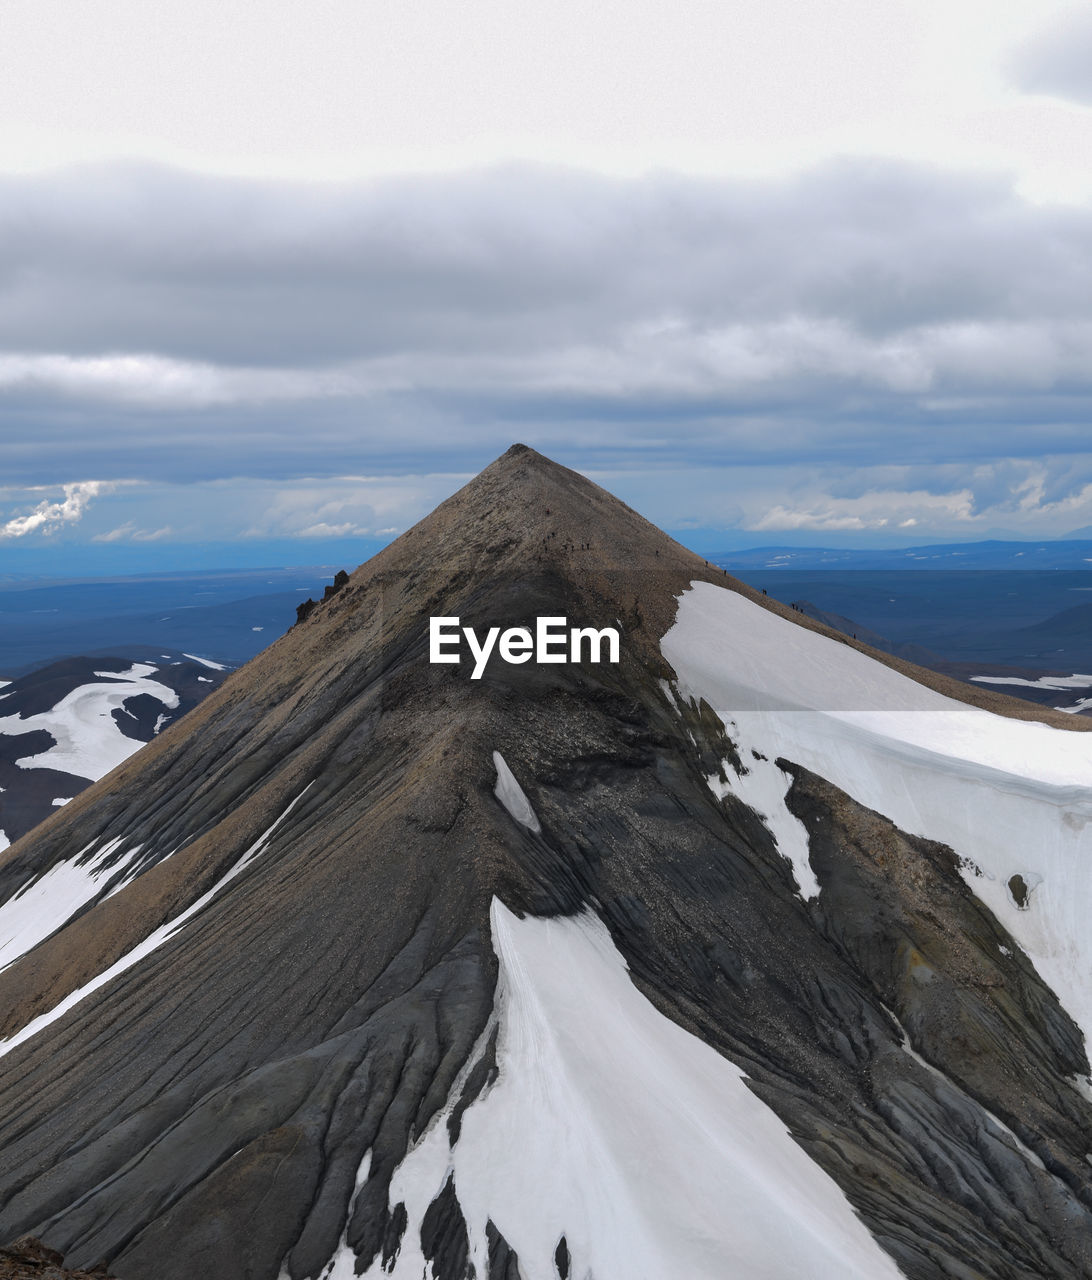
[(610, 1125), (1012, 796), (42, 906), (1074, 682), (511, 795), (88, 742)]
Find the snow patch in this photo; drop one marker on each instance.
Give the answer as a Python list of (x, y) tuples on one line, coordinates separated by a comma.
[(611, 1125), (510, 794), (43, 904), (60, 800), (150, 943), (1011, 797), (1044, 682), (205, 662), (762, 786), (88, 742)]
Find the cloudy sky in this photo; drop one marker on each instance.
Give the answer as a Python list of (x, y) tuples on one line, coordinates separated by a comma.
[(280, 276)]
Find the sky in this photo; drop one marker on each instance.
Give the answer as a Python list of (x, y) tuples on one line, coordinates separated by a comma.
[(277, 278)]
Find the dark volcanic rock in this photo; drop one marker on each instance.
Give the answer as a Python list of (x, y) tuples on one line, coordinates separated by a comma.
[(236, 1103)]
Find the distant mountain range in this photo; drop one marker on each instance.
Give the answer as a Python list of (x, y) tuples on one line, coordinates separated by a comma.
[(1037, 663), (231, 615), (66, 725), (1069, 554)]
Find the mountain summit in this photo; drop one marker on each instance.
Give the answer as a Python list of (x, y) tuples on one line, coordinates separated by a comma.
[(753, 954)]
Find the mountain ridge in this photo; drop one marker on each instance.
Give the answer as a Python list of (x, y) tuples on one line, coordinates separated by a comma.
[(287, 974)]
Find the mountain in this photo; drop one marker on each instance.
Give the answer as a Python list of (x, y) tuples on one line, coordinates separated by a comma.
[(232, 615), (1044, 687), (837, 622), (62, 727), (753, 954), (1061, 641), (1074, 552)]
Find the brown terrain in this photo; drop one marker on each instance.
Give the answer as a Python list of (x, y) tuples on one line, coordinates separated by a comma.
[(29, 1259)]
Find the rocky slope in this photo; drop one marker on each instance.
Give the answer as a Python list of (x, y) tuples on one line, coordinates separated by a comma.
[(574, 970)]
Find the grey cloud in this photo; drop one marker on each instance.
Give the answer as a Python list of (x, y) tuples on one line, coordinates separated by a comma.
[(1058, 59), (869, 312), (260, 273)]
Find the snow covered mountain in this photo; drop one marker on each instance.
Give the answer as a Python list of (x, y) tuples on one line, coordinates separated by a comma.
[(754, 956), (68, 724)]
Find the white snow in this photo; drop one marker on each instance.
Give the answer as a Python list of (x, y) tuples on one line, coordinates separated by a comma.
[(1044, 682), (88, 741), (42, 905), (4, 842), (205, 662), (150, 943), (58, 801), (1013, 796), (510, 794), (763, 787), (611, 1125)]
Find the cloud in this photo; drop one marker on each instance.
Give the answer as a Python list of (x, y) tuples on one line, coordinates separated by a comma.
[(875, 510), (121, 534), (324, 530), (128, 532), (1057, 59), (47, 515), (862, 316)]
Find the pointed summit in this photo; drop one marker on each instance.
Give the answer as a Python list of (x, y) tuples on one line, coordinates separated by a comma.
[(700, 963)]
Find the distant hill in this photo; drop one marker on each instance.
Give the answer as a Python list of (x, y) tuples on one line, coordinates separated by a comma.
[(233, 615), (1070, 554), (66, 725)]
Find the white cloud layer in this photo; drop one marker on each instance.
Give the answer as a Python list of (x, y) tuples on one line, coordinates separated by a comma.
[(768, 503), (343, 89)]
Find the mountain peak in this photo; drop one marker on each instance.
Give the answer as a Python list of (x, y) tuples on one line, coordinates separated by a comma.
[(587, 968), (525, 504)]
